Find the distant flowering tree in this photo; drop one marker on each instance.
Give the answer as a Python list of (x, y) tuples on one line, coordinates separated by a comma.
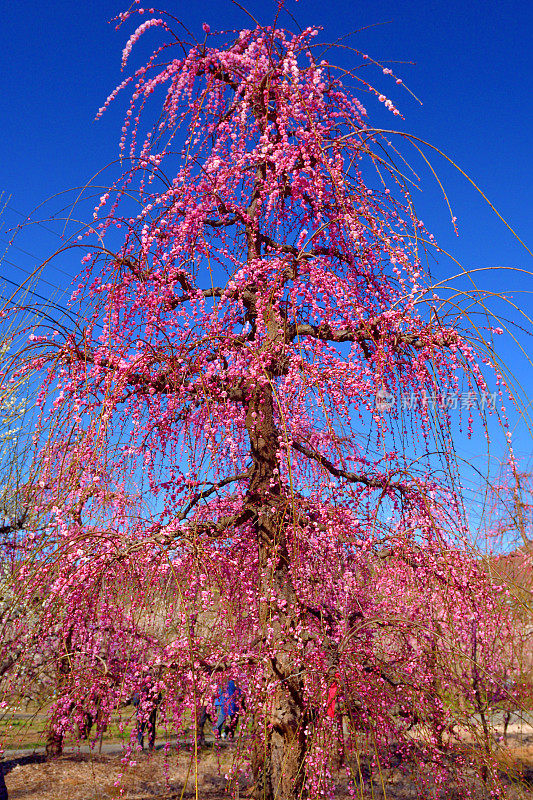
[(251, 295), (12, 408), (510, 520)]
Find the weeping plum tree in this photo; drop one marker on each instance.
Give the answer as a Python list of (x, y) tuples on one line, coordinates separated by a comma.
[(255, 282)]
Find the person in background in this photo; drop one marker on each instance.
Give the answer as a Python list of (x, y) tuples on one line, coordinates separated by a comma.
[(229, 703), (146, 700), (202, 712)]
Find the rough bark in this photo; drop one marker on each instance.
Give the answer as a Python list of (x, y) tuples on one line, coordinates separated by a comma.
[(54, 742), (278, 760), (54, 739)]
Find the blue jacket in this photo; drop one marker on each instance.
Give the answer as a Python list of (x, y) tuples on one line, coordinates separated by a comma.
[(228, 698)]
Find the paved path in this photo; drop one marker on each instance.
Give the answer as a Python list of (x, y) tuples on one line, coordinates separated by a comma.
[(108, 748)]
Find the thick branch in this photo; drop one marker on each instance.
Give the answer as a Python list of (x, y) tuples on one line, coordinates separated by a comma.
[(352, 477), (17, 525), (216, 291), (222, 223), (302, 255), (206, 492), (215, 530), (162, 383), (361, 334)]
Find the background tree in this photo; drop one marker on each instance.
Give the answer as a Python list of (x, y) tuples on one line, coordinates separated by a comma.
[(253, 290), (14, 457), (16, 506)]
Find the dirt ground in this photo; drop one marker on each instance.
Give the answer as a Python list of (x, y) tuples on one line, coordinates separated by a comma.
[(171, 775), (98, 777)]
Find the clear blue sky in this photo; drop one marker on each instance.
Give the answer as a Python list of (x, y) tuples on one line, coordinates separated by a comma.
[(472, 69)]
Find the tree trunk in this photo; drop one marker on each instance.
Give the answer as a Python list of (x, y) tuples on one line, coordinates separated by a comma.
[(280, 760), (278, 757), (287, 753), (54, 742)]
